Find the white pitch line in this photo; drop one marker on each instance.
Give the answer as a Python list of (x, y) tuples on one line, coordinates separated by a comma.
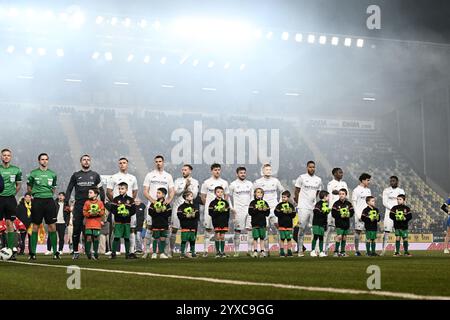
[(399, 295)]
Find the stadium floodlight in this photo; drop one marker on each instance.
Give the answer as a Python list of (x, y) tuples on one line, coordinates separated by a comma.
[(130, 57), (108, 56), (10, 49), (195, 62), (99, 20), (255, 92), (311, 38), (95, 55), (114, 21), (169, 86), (60, 52), (211, 64), (369, 99), (242, 67), (25, 77), (322, 39), (269, 35), (298, 37), (143, 23), (41, 51), (347, 42), (147, 59), (163, 60), (127, 22), (292, 94), (209, 89), (227, 65), (13, 12), (360, 43), (156, 25), (334, 41), (120, 83), (72, 80), (29, 50), (285, 36), (258, 34)]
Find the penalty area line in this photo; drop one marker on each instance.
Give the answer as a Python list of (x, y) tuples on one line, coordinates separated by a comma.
[(390, 294)]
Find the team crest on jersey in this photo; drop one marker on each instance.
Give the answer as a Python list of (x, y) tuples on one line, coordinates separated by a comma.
[(325, 208), (50, 181), (286, 208), (345, 213), (122, 210), (189, 212), (261, 205), (160, 207), (373, 215), (12, 178), (94, 209)]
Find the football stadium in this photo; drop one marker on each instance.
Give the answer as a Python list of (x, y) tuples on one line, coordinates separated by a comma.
[(224, 150)]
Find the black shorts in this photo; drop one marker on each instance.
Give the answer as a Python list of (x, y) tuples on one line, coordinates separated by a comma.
[(43, 209), (8, 206)]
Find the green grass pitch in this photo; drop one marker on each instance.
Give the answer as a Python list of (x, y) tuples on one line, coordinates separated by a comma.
[(425, 274)]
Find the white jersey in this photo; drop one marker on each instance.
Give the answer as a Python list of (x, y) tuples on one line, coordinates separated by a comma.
[(113, 183), (155, 180), (272, 187), (335, 185), (390, 197), (209, 186), (242, 194), (359, 200), (180, 187), (309, 186)]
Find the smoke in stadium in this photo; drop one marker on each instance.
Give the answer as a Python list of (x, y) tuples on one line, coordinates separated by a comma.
[(220, 99)]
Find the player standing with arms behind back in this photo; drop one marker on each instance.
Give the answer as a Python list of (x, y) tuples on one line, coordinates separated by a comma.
[(389, 201), (359, 196), (307, 188), (207, 194), (12, 181), (333, 189), (42, 185), (241, 191), (272, 188)]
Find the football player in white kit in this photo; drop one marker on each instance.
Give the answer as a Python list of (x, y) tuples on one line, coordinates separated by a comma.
[(389, 201), (241, 192), (207, 195), (333, 188), (307, 187), (158, 178), (183, 184), (360, 193), (272, 190)]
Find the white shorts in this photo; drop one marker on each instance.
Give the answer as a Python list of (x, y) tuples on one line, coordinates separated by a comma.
[(175, 222), (331, 222), (305, 217), (359, 224), (388, 222), (242, 222), (133, 222)]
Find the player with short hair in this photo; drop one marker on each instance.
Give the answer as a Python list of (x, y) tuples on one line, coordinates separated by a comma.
[(42, 184), (342, 211), (307, 188), (93, 211), (447, 234), (82, 181), (241, 192), (285, 212), (320, 219), (401, 214), (183, 184), (207, 194), (219, 210), (188, 216), (389, 201), (333, 188), (272, 188), (259, 211), (359, 195), (11, 176), (122, 208), (160, 212), (371, 216), (159, 178)]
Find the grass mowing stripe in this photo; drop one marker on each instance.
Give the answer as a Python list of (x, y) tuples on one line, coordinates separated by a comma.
[(390, 294)]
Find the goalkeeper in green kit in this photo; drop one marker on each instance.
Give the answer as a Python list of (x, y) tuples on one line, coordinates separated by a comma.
[(371, 216), (401, 215)]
